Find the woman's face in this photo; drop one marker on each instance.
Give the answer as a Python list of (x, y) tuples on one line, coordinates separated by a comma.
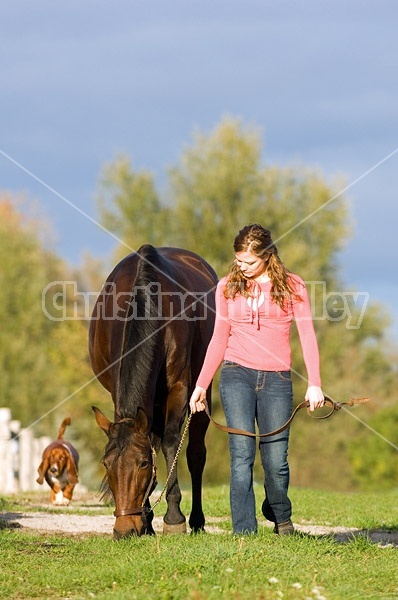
[(251, 265)]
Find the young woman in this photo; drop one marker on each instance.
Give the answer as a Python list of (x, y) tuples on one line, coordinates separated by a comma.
[(255, 305)]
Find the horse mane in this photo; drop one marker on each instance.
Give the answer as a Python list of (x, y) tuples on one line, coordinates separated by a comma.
[(140, 354)]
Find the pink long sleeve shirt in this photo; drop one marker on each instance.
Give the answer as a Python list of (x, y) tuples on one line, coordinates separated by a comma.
[(255, 333)]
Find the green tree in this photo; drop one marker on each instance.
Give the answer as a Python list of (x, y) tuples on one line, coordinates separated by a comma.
[(221, 185), (44, 368), (377, 465), (25, 270), (130, 207), (216, 188)]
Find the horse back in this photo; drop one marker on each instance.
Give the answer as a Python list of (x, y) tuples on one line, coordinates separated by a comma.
[(172, 327)]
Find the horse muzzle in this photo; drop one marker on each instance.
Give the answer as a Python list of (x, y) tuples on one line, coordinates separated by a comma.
[(131, 522)]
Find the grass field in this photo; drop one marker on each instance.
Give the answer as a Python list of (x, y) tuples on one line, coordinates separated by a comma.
[(210, 565)]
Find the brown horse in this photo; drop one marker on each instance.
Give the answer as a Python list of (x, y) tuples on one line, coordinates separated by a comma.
[(149, 332)]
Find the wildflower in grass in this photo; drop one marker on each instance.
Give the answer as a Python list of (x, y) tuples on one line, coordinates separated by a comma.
[(317, 593), (297, 586), (272, 580)]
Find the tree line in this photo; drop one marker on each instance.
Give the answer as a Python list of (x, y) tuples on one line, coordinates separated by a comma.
[(219, 184)]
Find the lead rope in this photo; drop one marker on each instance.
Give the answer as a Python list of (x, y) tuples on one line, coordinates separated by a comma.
[(335, 406), (174, 462)]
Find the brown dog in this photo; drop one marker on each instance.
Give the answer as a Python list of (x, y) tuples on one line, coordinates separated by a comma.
[(59, 467)]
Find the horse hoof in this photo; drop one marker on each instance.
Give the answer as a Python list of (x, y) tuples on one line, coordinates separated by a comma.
[(198, 530), (177, 528)]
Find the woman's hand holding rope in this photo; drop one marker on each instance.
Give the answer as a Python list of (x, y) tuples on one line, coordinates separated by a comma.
[(315, 397), (197, 402)]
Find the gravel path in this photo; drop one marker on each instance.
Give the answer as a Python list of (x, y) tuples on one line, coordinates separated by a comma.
[(74, 524), (63, 521)]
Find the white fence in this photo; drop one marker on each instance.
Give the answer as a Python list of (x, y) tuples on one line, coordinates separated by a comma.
[(20, 455)]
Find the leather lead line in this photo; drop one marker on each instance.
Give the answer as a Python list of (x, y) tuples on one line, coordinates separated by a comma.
[(335, 406)]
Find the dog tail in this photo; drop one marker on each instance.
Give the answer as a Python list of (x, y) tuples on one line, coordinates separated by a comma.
[(64, 425)]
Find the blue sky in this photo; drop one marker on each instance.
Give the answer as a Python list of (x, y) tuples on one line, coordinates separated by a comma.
[(84, 81)]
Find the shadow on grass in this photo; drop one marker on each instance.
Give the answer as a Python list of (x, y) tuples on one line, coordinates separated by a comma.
[(383, 536), (10, 521)]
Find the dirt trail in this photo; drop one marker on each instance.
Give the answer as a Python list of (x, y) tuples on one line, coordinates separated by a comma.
[(63, 520)]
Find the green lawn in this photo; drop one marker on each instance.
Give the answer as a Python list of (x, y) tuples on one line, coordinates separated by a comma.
[(211, 565)]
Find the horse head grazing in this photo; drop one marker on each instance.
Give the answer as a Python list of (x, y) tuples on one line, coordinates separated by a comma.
[(130, 464), (148, 337)]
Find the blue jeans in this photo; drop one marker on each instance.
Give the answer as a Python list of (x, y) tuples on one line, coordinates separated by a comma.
[(266, 397)]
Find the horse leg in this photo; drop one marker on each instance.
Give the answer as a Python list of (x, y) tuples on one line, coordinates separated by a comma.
[(196, 459), (173, 521)]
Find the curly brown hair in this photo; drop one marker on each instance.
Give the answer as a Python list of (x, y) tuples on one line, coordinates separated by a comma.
[(256, 239)]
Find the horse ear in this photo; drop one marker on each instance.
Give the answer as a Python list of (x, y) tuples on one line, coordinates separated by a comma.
[(141, 424), (102, 421)]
